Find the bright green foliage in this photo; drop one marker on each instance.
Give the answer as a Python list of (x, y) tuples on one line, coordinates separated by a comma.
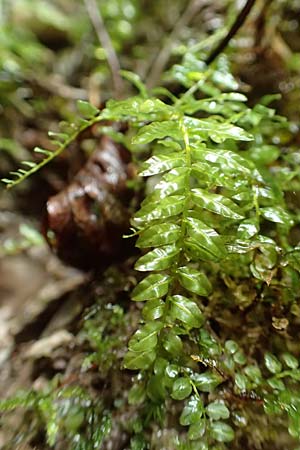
[(213, 231), (212, 194)]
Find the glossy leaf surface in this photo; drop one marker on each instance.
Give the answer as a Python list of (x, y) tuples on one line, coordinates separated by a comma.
[(194, 281), (160, 258), (152, 287), (186, 311)]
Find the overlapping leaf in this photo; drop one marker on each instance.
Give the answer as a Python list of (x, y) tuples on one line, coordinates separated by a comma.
[(168, 207), (216, 203)]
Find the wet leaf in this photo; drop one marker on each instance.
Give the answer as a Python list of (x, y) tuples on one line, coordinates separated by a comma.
[(272, 363), (172, 343), (217, 410), (194, 281), (160, 258), (168, 207), (146, 337), (192, 411), (161, 163), (153, 309), (277, 214), (221, 432), (186, 311), (152, 287), (157, 235), (158, 130), (197, 430), (207, 381), (181, 389), (216, 203), (139, 360)]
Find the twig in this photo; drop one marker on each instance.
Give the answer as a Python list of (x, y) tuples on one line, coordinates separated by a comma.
[(242, 16), (105, 41), (164, 55)]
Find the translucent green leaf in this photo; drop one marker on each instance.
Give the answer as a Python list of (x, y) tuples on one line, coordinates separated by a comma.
[(228, 160), (186, 311), (239, 358), (157, 235), (216, 203), (160, 258), (146, 337), (136, 109), (139, 360), (172, 343), (153, 309), (161, 163), (207, 381), (86, 109), (194, 281), (254, 374), (151, 287), (272, 363), (221, 432), (136, 394), (276, 384), (290, 360), (158, 130), (216, 131), (248, 228), (277, 214), (192, 411), (217, 410), (241, 381), (203, 240), (168, 207), (181, 389), (173, 182), (231, 346), (197, 430)]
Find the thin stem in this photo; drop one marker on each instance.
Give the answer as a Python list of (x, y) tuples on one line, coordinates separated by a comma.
[(105, 41), (239, 21)]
